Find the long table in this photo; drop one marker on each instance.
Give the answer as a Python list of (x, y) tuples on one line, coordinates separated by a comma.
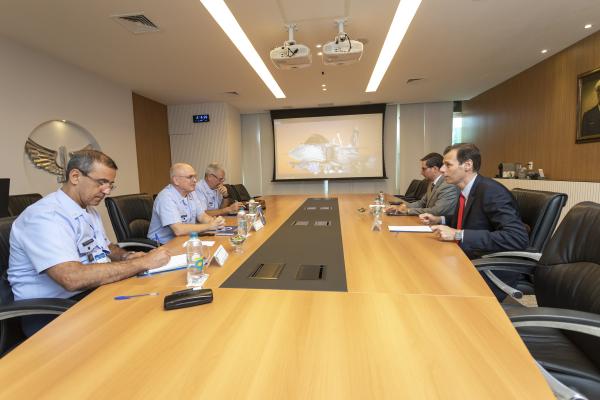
[(417, 322)]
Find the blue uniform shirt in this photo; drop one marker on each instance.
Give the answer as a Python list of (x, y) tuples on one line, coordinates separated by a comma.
[(52, 231), (211, 197), (172, 208)]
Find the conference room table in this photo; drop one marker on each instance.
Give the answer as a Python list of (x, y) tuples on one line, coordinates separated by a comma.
[(417, 321)]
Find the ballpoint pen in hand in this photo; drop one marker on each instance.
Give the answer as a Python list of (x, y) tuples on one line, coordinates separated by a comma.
[(135, 295)]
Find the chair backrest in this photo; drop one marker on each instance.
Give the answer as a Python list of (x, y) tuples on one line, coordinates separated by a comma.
[(569, 272), (540, 211), (6, 295), (242, 192), (130, 215), (19, 202), (421, 189), (412, 189), (233, 193)]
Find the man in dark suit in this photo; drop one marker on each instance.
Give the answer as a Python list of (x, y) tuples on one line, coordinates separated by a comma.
[(590, 125), (486, 219)]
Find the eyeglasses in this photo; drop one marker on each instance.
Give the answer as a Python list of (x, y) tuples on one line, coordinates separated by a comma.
[(190, 177), (101, 182), (217, 178)]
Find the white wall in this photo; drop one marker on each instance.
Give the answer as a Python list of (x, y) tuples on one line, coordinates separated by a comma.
[(420, 128), (35, 88), (200, 144)]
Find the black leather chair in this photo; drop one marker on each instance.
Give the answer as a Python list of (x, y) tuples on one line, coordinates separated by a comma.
[(130, 217), (540, 211), (242, 192), (19, 202), (233, 193), (10, 310), (563, 333), (416, 189)]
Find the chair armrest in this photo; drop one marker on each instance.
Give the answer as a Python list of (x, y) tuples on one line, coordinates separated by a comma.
[(522, 266), (22, 308), (521, 254), (138, 243), (488, 265), (560, 318)]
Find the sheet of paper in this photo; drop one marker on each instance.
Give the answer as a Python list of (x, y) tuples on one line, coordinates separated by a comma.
[(410, 228), (176, 262)]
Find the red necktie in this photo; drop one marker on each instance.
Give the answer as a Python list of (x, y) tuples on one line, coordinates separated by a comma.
[(461, 209)]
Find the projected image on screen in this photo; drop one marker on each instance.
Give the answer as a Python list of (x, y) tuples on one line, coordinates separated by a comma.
[(330, 147)]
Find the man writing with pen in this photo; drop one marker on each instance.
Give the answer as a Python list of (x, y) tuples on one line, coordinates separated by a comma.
[(177, 210), (58, 246)]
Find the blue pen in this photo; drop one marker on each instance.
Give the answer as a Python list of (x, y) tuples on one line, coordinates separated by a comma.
[(136, 295)]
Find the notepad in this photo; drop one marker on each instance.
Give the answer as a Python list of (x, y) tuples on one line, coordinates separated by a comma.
[(410, 228), (176, 262)]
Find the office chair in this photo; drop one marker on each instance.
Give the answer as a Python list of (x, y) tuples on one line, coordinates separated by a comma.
[(10, 310), (19, 202), (243, 192), (563, 333), (233, 193), (540, 211), (416, 189), (130, 217)]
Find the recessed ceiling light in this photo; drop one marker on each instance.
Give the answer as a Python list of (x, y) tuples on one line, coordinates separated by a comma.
[(324, 89), (544, 51), (64, 121), (320, 53), (319, 46), (588, 26), (404, 15), (323, 85), (222, 14)]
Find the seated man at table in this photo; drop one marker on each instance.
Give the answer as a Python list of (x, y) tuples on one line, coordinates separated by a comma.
[(441, 196), (486, 219), (177, 211), (214, 194), (58, 247)]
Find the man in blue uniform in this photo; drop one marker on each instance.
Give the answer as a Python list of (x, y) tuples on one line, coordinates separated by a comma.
[(177, 210), (58, 247), (212, 191)]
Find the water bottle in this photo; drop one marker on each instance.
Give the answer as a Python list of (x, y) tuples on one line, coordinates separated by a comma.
[(195, 260), (381, 197), (242, 223)]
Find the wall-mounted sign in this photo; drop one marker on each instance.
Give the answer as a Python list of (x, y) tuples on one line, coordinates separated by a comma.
[(200, 118)]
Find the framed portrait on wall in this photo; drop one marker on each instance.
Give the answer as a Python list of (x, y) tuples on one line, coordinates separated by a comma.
[(588, 107)]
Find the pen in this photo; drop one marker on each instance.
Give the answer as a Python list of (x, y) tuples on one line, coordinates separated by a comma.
[(136, 295)]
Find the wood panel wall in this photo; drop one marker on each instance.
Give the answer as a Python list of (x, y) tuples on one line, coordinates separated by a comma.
[(532, 117), (152, 143)]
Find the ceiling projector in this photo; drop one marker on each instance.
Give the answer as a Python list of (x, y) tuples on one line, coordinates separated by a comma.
[(291, 55), (343, 50)]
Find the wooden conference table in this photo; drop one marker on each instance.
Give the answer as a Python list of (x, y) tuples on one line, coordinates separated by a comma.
[(417, 322)]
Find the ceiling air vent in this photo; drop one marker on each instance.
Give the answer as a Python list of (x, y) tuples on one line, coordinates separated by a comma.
[(413, 80), (136, 23)]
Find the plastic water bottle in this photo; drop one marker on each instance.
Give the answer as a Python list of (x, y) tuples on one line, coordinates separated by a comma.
[(381, 197), (195, 261), (242, 223)]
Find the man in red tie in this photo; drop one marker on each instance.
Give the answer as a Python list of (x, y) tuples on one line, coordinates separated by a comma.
[(486, 219)]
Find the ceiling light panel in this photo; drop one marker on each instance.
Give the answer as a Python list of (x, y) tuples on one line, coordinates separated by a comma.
[(404, 15), (223, 16)]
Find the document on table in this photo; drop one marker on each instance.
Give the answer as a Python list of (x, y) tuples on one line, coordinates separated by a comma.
[(176, 262), (410, 228)]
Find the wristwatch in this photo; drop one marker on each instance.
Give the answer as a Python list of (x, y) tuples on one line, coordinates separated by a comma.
[(458, 236)]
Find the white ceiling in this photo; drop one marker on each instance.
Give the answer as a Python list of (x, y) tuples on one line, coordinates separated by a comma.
[(460, 47)]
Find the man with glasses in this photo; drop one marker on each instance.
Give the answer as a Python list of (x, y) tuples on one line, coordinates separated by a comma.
[(177, 210), (440, 198), (58, 246), (214, 194)]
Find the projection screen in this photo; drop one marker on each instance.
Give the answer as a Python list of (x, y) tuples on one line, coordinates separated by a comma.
[(328, 143)]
